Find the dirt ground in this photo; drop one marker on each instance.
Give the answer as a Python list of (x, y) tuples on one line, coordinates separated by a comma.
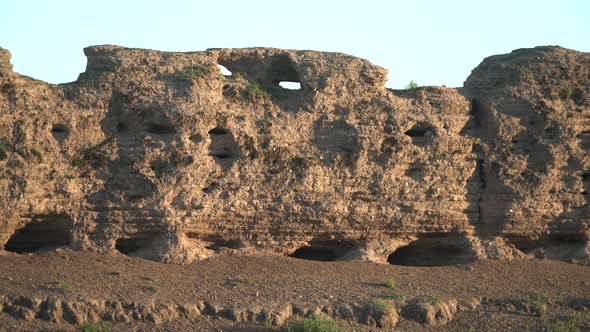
[(272, 281)]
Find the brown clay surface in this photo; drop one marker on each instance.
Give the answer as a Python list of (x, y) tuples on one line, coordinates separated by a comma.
[(277, 281)]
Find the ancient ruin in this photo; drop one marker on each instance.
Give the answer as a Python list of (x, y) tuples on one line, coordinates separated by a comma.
[(159, 155)]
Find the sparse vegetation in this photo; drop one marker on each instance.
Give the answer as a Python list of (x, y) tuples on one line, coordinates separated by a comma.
[(65, 287), (537, 302), (313, 324), (566, 91), (393, 295), (254, 92), (193, 71), (390, 283), (571, 324), (278, 93), (434, 300), (381, 306), (240, 282), (525, 73), (412, 85), (96, 327), (90, 157), (151, 289)]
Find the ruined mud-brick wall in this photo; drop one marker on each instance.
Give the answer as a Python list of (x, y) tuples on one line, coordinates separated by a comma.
[(159, 155)]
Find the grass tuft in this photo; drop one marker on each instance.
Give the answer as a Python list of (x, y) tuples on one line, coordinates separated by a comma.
[(255, 92), (571, 324), (412, 85), (390, 283), (96, 327), (65, 287), (193, 71), (313, 324)]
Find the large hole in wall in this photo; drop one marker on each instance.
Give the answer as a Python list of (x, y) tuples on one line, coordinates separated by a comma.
[(42, 232), (421, 134), (432, 251), (290, 85), (282, 70), (224, 71), (324, 250), (132, 244), (223, 148)]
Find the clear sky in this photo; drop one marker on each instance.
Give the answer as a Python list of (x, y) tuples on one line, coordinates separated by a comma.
[(430, 42)]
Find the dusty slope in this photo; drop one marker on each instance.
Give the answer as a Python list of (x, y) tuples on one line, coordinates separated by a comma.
[(273, 283)]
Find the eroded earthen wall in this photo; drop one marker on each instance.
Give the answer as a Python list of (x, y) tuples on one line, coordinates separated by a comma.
[(159, 155)]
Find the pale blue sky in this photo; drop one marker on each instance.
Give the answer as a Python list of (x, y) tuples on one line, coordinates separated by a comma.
[(431, 42)]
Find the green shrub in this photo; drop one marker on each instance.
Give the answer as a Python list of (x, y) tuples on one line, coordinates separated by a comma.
[(92, 156), (381, 306), (278, 92), (254, 92), (393, 295), (412, 85), (566, 91), (537, 301), (571, 324), (313, 324), (389, 283), (65, 286), (96, 327), (193, 71)]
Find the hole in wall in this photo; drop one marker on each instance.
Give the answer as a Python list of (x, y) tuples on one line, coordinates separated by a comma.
[(432, 251), (161, 129), (223, 148), (60, 132), (219, 244), (131, 245), (282, 70), (41, 232), (421, 134), (584, 138), (324, 250), (224, 71), (415, 171), (290, 85), (121, 127)]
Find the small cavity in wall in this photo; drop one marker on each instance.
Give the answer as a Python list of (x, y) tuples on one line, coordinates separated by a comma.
[(60, 132), (421, 134), (223, 148), (41, 232)]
